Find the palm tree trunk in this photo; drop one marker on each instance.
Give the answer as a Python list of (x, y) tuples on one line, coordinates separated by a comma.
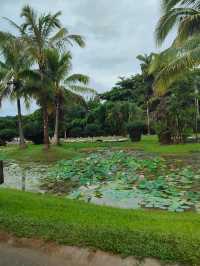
[(196, 118), (46, 125), (21, 133), (56, 131), (148, 119)]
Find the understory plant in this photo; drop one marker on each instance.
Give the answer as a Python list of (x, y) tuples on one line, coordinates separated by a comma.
[(135, 130)]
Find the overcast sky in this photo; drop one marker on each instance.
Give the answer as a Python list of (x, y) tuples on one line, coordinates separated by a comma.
[(116, 31)]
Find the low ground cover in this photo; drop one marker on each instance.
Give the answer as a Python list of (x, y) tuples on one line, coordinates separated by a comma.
[(167, 236)]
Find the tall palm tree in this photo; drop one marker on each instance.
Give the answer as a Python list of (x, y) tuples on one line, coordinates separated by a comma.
[(15, 62), (185, 51), (145, 65), (58, 68), (41, 32)]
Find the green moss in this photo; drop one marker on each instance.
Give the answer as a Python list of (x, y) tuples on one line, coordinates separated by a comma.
[(167, 236)]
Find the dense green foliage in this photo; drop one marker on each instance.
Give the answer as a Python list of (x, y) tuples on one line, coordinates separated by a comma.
[(175, 112), (172, 116), (167, 236)]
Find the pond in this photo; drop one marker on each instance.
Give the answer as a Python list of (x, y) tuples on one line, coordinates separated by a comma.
[(115, 178), (24, 176)]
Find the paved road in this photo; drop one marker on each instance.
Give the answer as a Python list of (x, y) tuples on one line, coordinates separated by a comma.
[(12, 256)]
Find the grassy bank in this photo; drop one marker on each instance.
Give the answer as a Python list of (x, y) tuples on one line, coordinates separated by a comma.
[(71, 150), (167, 236)]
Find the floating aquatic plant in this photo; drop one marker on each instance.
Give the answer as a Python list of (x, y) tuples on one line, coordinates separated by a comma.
[(122, 179)]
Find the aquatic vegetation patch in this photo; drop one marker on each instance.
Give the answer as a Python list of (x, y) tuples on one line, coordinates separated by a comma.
[(122, 179)]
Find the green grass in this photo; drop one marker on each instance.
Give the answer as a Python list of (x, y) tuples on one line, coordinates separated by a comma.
[(70, 150), (166, 236)]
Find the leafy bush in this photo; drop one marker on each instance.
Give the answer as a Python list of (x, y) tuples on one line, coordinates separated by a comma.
[(76, 132), (92, 130), (2, 142), (135, 130), (8, 134), (33, 131)]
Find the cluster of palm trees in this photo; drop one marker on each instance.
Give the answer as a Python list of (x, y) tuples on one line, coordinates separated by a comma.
[(36, 64), (184, 54)]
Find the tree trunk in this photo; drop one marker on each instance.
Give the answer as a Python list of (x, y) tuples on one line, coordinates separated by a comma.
[(1, 173), (148, 119), (22, 143), (46, 130), (196, 118), (56, 139)]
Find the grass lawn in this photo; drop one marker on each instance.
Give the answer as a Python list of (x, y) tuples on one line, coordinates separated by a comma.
[(166, 236), (70, 150)]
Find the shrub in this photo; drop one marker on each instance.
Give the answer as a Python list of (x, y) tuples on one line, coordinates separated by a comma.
[(34, 132), (2, 142), (135, 130), (76, 132), (8, 134), (92, 130)]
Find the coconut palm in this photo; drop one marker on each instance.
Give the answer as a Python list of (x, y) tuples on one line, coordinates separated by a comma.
[(184, 13), (184, 55), (58, 69), (145, 61), (145, 65), (41, 32), (15, 62)]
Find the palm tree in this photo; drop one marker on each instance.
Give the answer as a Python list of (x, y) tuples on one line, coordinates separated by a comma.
[(58, 68), (145, 61), (15, 62), (184, 54), (184, 13), (41, 32), (145, 65)]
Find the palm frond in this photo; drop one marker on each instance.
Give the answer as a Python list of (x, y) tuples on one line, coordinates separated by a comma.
[(73, 79), (82, 89), (188, 27), (13, 24), (177, 68), (78, 39), (5, 37), (169, 4), (169, 20)]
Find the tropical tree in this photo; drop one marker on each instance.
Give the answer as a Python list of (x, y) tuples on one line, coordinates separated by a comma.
[(58, 68), (15, 62), (41, 32), (182, 13), (145, 65), (185, 52)]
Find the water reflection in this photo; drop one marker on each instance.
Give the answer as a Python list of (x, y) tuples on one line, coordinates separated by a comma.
[(23, 183), (25, 177)]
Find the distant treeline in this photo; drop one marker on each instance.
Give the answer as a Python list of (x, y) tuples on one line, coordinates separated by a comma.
[(172, 116)]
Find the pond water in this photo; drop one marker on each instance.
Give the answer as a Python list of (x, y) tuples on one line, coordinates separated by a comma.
[(117, 179), (24, 176)]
